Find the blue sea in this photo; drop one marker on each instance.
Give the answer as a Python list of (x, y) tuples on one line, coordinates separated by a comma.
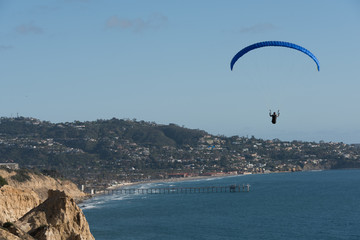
[(299, 205)]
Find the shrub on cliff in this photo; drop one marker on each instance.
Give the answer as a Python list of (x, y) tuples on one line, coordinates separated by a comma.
[(2, 181), (21, 176)]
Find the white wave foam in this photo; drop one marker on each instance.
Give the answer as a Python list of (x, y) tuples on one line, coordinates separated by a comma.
[(92, 204), (103, 200)]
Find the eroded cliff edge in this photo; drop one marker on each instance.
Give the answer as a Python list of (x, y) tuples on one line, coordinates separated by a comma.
[(57, 218), (41, 207)]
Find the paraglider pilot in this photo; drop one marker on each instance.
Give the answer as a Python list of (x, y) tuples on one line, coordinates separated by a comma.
[(274, 116)]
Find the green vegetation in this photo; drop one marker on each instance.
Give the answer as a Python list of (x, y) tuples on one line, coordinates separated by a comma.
[(21, 175), (103, 151), (2, 181)]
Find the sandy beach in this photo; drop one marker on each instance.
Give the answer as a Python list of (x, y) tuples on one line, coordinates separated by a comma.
[(183, 179)]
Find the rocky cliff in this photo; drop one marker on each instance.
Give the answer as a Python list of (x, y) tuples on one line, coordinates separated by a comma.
[(58, 218), (12, 232), (14, 203), (41, 208), (6, 235), (40, 184)]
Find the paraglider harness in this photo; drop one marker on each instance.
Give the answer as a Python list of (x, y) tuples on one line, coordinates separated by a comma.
[(274, 116)]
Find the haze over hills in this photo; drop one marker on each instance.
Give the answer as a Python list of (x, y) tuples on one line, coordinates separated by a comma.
[(103, 151)]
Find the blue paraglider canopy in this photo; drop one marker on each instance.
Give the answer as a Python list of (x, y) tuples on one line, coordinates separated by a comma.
[(276, 44)]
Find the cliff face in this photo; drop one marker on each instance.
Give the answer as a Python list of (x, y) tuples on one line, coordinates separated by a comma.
[(13, 232), (58, 218), (6, 235), (39, 212), (40, 184), (14, 203)]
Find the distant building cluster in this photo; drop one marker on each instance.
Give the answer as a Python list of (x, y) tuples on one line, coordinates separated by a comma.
[(106, 152)]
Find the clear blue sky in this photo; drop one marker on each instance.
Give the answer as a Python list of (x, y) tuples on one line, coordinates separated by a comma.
[(169, 62)]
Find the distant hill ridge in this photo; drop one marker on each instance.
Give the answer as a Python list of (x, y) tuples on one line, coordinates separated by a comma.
[(140, 132), (98, 153)]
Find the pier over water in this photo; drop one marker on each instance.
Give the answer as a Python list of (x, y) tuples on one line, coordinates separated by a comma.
[(180, 190)]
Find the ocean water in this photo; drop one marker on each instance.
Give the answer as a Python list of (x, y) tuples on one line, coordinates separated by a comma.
[(300, 205)]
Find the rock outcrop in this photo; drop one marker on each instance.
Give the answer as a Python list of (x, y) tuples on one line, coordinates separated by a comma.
[(57, 218), (13, 232), (14, 203), (29, 209), (6, 235)]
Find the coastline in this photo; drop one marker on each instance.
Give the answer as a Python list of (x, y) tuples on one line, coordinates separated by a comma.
[(169, 180), (180, 179), (183, 179)]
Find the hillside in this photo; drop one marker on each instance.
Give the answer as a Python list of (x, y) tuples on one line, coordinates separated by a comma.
[(107, 151)]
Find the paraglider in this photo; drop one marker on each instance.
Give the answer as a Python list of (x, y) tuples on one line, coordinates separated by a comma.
[(275, 44), (274, 116), (249, 48)]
